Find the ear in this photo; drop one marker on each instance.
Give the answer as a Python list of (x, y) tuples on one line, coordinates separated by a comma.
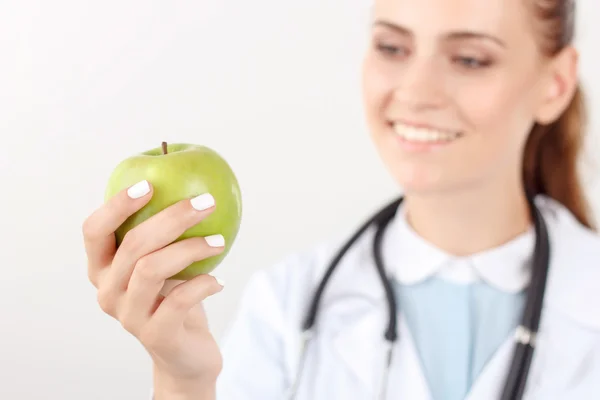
[(558, 86)]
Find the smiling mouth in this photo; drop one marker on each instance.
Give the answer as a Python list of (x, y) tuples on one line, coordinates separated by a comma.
[(422, 134)]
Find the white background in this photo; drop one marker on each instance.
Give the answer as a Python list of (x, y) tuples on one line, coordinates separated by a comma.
[(272, 85)]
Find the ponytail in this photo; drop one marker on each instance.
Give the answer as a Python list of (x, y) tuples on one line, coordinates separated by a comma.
[(551, 160)]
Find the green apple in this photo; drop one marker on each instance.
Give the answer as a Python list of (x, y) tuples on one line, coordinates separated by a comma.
[(183, 171)]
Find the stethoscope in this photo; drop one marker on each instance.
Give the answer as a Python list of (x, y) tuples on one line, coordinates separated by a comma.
[(525, 334)]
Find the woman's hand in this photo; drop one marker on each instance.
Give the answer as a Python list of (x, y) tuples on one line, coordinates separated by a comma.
[(168, 319)]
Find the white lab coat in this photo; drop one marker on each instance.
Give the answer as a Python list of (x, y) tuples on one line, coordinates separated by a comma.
[(346, 358)]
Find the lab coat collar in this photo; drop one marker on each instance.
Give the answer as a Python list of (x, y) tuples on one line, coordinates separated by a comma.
[(366, 362), (411, 259)]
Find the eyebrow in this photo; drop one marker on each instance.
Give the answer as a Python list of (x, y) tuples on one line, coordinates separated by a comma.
[(452, 35)]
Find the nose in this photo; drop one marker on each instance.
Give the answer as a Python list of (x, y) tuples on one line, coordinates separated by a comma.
[(420, 86)]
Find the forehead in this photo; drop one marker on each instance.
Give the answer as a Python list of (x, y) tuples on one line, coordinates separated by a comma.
[(505, 18)]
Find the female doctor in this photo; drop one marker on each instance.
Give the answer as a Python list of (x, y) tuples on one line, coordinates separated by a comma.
[(482, 284)]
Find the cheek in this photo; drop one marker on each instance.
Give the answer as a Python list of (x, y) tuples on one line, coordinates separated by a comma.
[(497, 113), (376, 90)]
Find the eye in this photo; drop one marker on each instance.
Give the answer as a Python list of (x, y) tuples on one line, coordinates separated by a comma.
[(472, 62), (391, 50)]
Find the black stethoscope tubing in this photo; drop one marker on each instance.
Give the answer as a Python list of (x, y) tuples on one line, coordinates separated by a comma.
[(516, 379)]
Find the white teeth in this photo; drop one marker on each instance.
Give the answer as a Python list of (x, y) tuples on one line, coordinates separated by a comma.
[(423, 134)]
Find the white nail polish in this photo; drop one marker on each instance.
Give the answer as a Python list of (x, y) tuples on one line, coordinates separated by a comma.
[(219, 280), (138, 190), (215, 240), (203, 202)]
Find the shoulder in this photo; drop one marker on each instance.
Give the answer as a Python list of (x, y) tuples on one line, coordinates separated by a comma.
[(303, 269), (574, 276), (288, 284)]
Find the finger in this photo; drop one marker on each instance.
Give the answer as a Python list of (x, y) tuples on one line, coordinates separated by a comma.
[(98, 229), (173, 310), (196, 317), (170, 285), (155, 233), (151, 272)]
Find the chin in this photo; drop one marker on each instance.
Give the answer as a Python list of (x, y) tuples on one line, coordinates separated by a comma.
[(424, 179), (421, 187)]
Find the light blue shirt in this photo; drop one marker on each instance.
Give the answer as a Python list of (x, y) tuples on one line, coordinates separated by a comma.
[(459, 310), (457, 328)]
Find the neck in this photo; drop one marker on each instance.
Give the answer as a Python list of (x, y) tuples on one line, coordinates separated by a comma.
[(469, 221)]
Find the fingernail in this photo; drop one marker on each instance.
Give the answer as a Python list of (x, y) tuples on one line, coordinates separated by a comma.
[(138, 190), (203, 202), (219, 280), (215, 240)]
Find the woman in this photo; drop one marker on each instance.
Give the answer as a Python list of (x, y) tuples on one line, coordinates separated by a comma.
[(473, 106)]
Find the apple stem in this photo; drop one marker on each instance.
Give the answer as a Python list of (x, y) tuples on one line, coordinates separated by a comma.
[(164, 147)]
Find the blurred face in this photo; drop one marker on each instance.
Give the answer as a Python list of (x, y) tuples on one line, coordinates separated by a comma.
[(451, 90)]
